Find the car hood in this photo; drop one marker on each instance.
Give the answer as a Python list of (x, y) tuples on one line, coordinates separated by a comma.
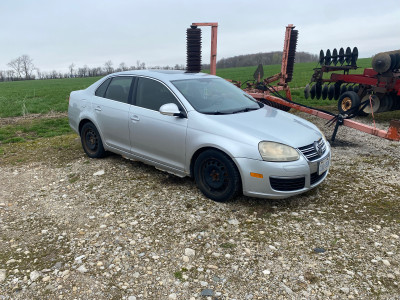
[(264, 124)]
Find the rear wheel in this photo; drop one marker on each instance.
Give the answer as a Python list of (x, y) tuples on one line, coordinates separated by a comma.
[(217, 176), (91, 141)]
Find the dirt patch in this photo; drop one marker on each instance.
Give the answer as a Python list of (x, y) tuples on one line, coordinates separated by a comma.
[(30, 117)]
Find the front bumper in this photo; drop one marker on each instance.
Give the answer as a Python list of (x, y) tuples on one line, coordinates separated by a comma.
[(280, 179)]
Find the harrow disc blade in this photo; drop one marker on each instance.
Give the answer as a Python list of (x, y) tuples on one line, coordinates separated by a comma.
[(354, 56), (335, 56), (393, 61), (312, 91), (347, 55), (341, 56), (375, 103), (321, 57), (328, 57), (350, 88), (343, 89), (386, 104), (318, 90), (356, 88), (398, 61), (324, 92), (390, 102), (337, 90), (331, 92), (307, 91), (381, 62)]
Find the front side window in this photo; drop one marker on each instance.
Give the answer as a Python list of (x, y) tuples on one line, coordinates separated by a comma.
[(152, 94), (119, 88), (215, 96)]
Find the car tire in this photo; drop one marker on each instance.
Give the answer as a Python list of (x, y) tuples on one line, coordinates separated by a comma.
[(91, 141), (217, 176)]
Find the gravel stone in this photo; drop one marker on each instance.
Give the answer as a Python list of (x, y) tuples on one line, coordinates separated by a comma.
[(3, 274), (34, 275), (82, 269), (137, 232), (190, 252), (207, 292)]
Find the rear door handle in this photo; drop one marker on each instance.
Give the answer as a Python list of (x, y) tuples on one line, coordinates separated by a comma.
[(135, 118), (98, 108)]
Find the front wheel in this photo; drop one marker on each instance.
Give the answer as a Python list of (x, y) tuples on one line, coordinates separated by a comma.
[(217, 176), (91, 141)]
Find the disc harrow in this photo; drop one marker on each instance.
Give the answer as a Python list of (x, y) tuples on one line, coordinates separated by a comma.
[(376, 90)]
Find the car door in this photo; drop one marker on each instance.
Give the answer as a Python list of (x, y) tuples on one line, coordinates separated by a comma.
[(156, 137), (111, 110)]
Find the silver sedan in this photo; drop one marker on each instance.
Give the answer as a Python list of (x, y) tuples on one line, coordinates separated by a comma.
[(201, 126)]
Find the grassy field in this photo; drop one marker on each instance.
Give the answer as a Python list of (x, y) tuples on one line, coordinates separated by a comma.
[(22, 98), (19, 98)]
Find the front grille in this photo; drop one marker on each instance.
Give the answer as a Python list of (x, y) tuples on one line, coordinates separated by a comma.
[(314, 178), (310, 152), (287, 184)]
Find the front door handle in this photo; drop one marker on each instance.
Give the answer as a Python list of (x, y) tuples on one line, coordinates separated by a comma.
[(98, 108), (135, 118)]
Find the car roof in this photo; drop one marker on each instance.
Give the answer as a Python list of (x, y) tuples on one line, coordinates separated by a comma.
[(165, 75)]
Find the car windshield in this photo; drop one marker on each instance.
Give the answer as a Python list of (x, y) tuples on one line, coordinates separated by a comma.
[(215, 96)]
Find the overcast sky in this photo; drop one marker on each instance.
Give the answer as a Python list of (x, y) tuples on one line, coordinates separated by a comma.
[(56, 33)]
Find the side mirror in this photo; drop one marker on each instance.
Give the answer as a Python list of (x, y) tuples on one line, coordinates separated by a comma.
[(171, 109)]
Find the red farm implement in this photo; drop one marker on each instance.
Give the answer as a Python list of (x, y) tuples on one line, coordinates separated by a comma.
[(376, 90)]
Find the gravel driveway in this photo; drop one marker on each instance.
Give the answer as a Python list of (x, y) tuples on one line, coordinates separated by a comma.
[(78, 228)]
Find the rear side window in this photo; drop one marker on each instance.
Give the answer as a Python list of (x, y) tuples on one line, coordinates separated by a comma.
[(102, 88), (119, 88), (152, 94)]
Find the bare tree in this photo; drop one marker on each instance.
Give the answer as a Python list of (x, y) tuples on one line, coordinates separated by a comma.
[(71, 69), (10, 74), (123, 66), (27, 66), (16, 65), (108, 67)]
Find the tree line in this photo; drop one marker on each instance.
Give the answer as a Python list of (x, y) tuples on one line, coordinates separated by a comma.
[(265, 58), (23, 68)]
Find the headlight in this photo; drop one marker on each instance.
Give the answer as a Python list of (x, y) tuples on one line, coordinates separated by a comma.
[(271, 151)]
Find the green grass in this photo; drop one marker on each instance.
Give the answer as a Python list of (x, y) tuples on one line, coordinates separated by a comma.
[(42, 96), (25, 131), (18, 98)]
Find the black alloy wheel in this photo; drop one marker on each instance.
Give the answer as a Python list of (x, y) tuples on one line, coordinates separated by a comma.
[(217, 176), (91, 141)]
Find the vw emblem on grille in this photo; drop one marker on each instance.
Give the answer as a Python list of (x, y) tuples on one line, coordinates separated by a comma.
[(318, 148)]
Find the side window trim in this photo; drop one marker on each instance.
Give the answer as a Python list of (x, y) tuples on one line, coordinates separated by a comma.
[(181, 106)]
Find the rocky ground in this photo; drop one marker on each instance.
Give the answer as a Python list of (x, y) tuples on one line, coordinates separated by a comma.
[(78, 228)]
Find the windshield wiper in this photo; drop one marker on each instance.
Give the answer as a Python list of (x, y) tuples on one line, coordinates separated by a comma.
[(216, 113), (245, 110)]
